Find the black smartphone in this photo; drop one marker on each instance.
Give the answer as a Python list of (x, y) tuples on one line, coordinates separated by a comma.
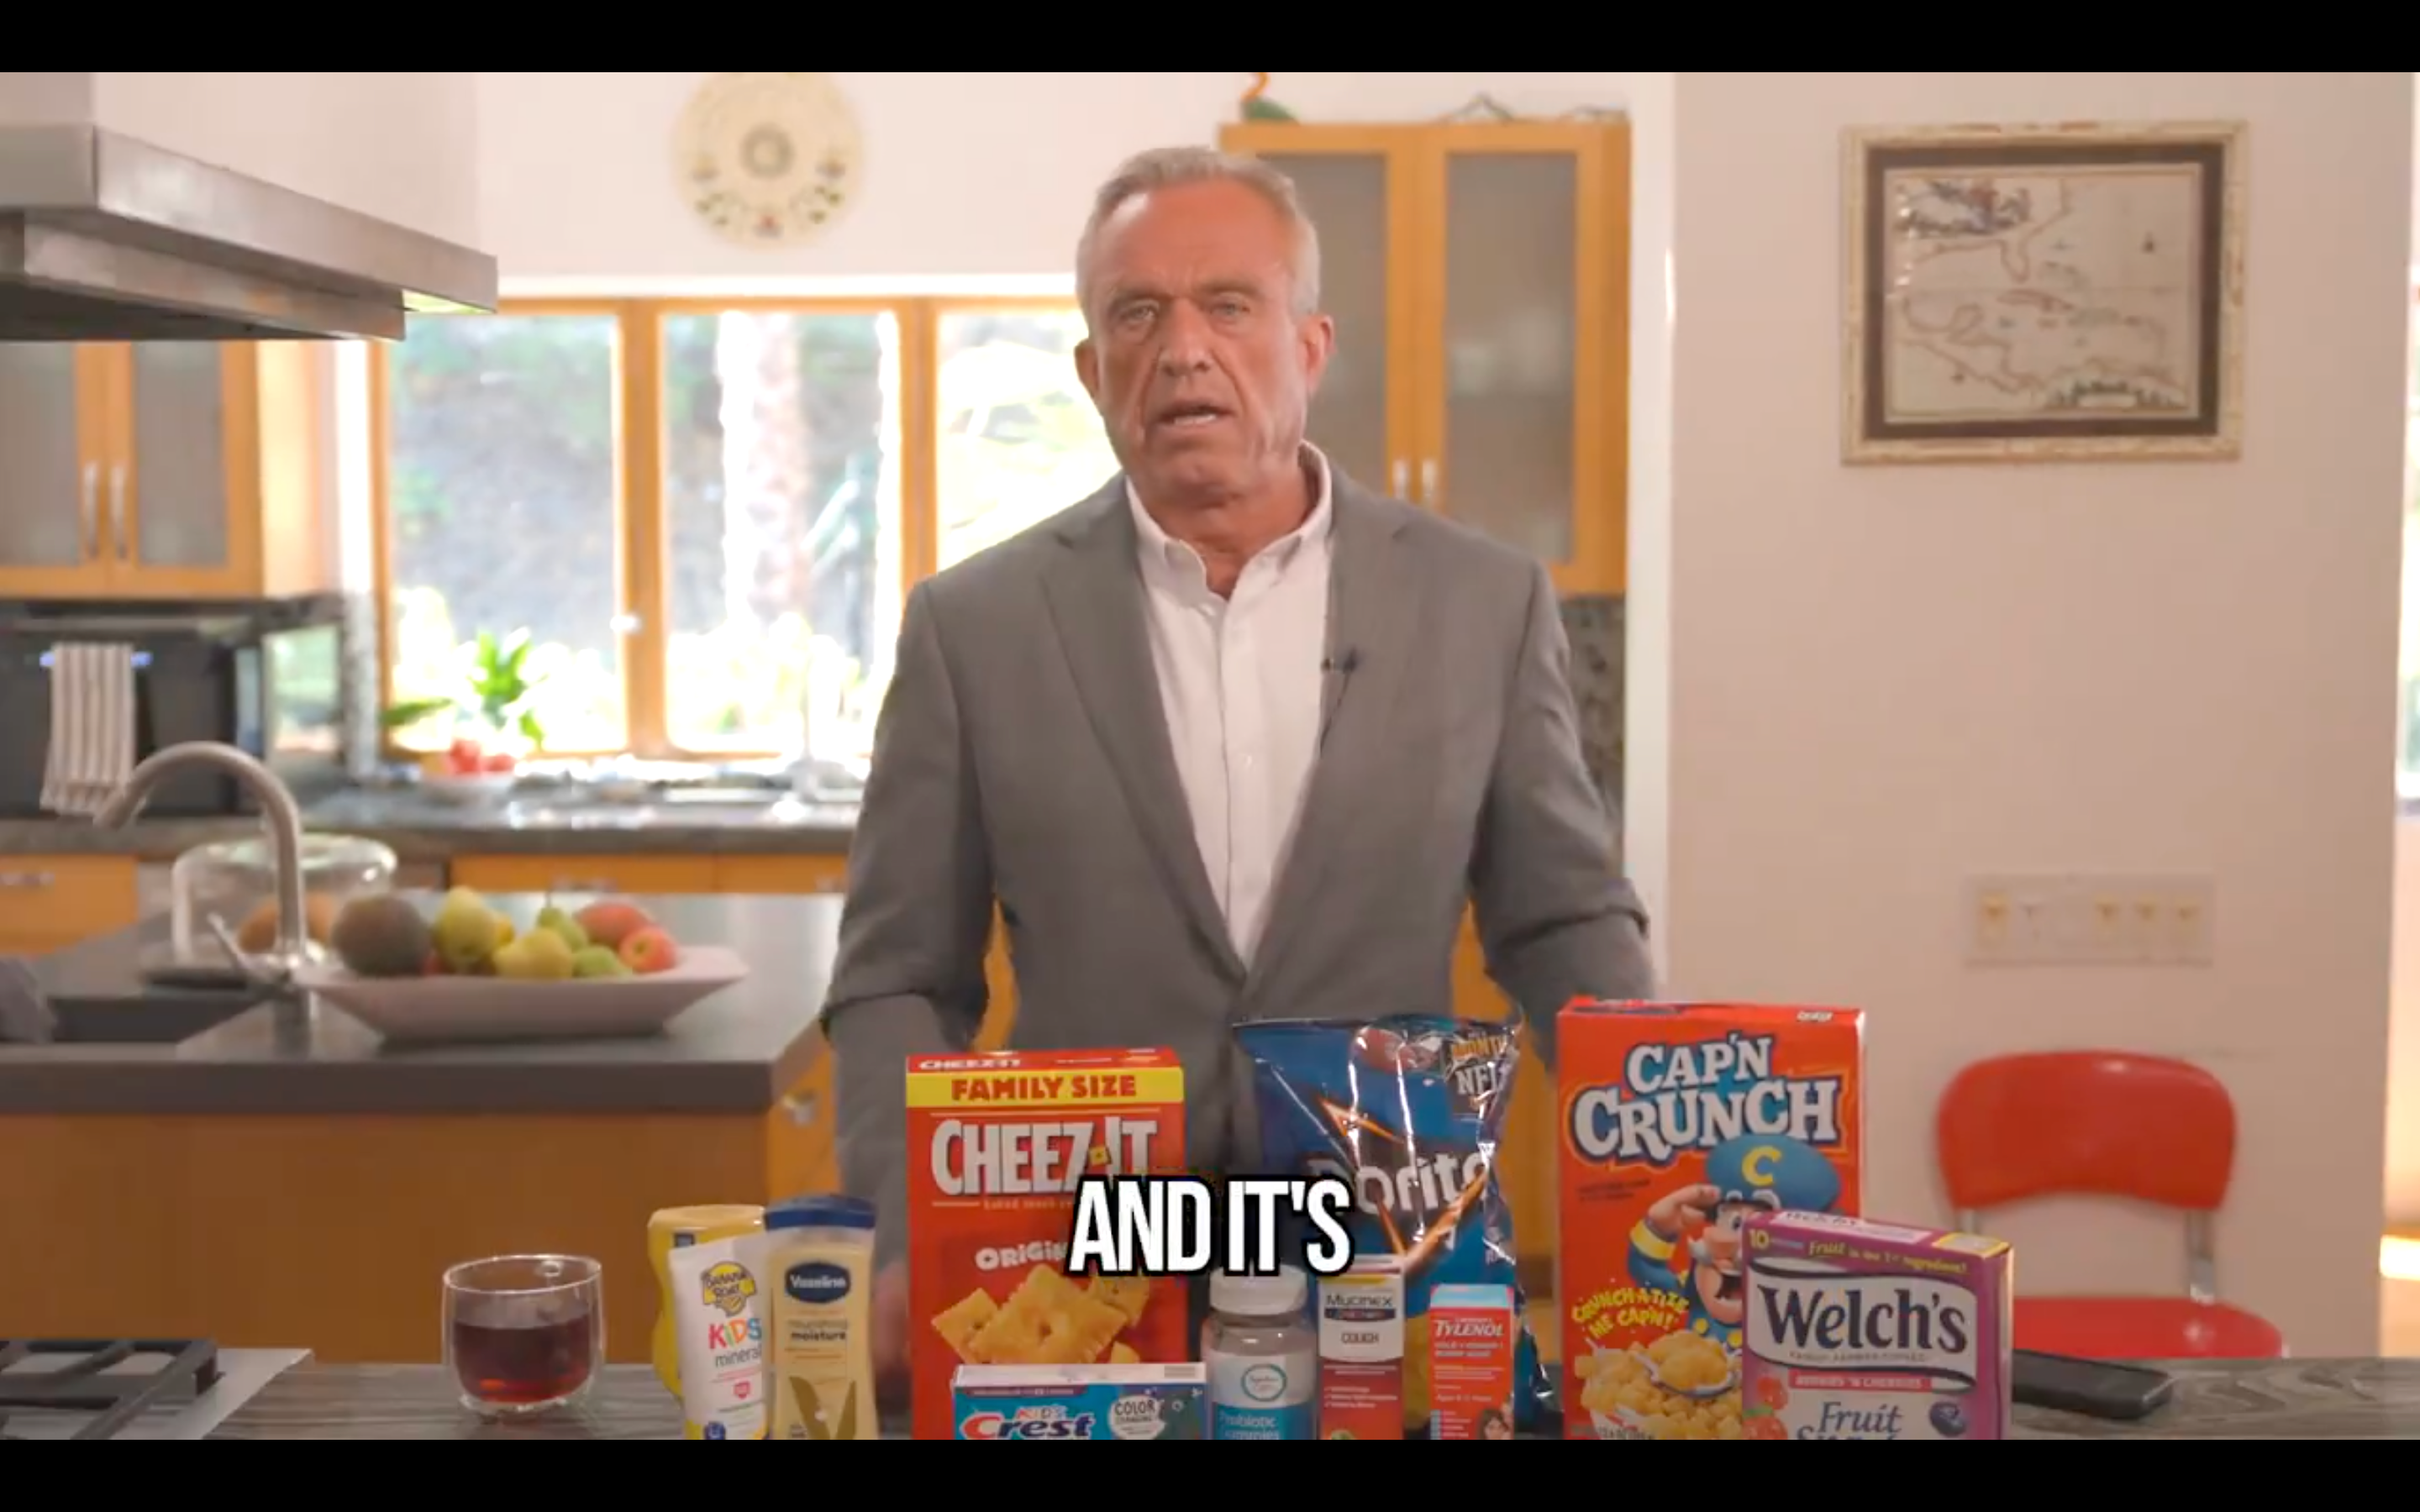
[(2095, 1388)]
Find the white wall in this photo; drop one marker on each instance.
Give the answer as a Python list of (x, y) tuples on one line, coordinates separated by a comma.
[(1888, 681), (402, 146), (978, 174), (1852, 689), (45, 99)]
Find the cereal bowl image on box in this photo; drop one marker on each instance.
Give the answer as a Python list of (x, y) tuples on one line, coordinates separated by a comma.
[(1863, 1330)]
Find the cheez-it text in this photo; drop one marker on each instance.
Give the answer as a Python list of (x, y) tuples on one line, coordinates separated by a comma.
[(992, 1157)]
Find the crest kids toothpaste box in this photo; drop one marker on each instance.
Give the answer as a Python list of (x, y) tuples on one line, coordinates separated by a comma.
[(1099, 1401), (997, 1146), (1679, 1123), (1860, 1330)]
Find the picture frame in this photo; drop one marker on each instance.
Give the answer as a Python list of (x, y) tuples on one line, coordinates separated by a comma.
[(2058, 293)]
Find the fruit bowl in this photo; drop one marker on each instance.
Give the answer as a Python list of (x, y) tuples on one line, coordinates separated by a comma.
[(426, 1010), (471, 972)]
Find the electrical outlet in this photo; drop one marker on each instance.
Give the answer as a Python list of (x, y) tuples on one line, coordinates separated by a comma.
[(2084, 920)]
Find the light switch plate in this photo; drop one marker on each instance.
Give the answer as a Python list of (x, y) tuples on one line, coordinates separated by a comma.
[(2081, 920)]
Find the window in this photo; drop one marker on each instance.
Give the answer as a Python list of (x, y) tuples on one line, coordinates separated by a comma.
[(695, 524)]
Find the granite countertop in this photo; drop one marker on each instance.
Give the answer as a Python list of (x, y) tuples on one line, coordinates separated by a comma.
[(2215, 1399), (738, 1050), (420, 828)]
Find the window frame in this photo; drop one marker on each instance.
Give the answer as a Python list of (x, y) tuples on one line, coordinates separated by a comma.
[(642, 522)]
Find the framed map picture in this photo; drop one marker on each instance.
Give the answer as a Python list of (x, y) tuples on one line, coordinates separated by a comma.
[(2044, 293)]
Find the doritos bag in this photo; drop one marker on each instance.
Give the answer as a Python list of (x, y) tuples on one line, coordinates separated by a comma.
[(1410, 1110)]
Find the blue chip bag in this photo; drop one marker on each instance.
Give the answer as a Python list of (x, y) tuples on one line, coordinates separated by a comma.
[(1410, 1110)]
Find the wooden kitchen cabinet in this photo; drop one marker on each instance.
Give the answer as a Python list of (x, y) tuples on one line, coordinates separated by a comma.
[(830, 875), (585, 873), (802, 1136), (161, 470), (1479, 273), (781, 874), (49, 902)]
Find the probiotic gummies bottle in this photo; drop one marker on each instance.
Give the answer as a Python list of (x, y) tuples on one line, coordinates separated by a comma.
[(1263, 1356)]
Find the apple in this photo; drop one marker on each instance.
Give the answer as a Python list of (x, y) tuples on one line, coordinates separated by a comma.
[(497, 762), (613, 921), (463, 757), (649, 952)]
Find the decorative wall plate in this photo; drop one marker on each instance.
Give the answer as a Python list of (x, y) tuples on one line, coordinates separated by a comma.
[(768, 160)]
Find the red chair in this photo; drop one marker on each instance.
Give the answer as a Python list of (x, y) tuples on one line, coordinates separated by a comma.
[(2102, 1123)]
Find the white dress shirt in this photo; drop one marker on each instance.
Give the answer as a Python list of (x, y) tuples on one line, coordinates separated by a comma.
[(1240, 681)]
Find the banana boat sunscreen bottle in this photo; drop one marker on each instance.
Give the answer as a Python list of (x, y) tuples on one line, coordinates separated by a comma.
[(718, 1304), (679, 1228)]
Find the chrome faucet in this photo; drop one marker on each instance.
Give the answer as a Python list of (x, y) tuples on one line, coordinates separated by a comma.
[(279, 813)]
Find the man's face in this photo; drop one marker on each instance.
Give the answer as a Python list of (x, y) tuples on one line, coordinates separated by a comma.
[(1201, 369)]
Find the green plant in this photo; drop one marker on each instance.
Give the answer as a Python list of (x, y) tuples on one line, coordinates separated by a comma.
[(499, 692)]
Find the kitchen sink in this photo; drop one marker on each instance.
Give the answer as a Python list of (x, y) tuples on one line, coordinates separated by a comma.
[(165, 1017)]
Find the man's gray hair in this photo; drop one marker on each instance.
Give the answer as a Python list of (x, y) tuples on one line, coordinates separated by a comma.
[(1164, 168)]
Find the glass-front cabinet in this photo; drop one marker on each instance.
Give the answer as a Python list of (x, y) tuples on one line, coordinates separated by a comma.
[(1479, 275), (161, 470)]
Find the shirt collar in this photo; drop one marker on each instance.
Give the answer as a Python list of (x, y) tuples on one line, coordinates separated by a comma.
[(1162, 552)]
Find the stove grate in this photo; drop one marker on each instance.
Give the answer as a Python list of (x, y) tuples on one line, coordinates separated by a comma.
[(87, 1375)]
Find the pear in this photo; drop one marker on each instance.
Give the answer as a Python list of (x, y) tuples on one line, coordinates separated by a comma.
[(561, 922), (598, 960), (540, 955), (465, 931)]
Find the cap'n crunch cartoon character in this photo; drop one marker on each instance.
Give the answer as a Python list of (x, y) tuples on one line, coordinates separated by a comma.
[(1773, 1173)]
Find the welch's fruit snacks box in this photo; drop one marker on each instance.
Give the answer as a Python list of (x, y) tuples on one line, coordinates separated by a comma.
[(1865, 1330)]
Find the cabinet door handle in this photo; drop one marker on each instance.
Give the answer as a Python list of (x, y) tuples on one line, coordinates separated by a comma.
[(801, 1108), (1428, 483), (26, 881), (583, 885), (1402, 488), (91, 510), (117, 512)]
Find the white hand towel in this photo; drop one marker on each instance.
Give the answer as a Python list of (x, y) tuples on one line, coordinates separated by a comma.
[(92, 725)]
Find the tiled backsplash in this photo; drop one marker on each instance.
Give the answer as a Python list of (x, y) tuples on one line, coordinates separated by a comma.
[(1595, 624)]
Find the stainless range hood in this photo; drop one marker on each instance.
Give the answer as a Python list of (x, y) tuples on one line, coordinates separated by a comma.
[(104, 237)]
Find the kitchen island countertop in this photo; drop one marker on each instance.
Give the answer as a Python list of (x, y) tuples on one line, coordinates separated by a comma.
[(740, 1049), (2215, 1399), (419, 829)]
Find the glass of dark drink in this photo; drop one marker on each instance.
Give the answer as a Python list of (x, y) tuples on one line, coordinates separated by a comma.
[(524, 1333)]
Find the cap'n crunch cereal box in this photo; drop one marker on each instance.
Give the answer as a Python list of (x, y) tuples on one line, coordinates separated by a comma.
[(997, 1143), (1860, 1330), (1681, 1121)]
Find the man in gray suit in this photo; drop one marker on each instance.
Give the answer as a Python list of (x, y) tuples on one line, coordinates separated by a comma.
[(1233, 739)]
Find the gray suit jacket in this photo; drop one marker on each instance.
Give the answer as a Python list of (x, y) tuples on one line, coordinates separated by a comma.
[(1022, 755)]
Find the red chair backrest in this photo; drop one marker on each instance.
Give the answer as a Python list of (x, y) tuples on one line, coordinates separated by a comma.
[(2087, 1123)]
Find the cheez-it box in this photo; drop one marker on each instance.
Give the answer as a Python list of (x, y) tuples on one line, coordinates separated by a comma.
[(1680, 1123), (997, 1145)]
